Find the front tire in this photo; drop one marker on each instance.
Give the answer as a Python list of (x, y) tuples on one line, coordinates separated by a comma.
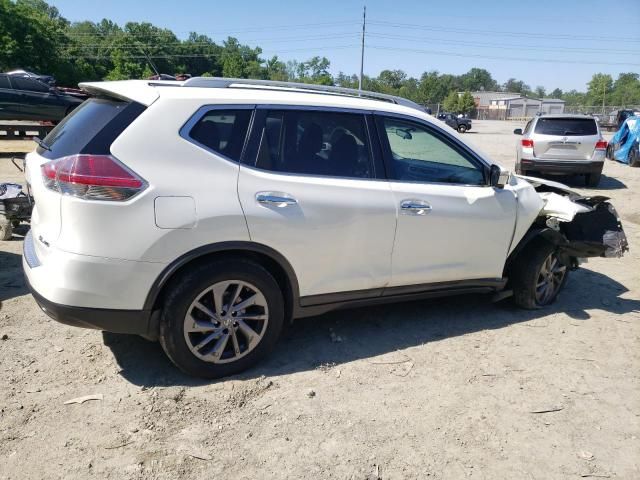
[(462, 128), (221, 318), (539, 274), (6, 228)]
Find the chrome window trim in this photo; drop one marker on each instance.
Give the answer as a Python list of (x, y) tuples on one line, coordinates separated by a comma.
[(185, 130)]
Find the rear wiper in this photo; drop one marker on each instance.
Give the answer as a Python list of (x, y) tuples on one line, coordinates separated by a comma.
[(570, 132), (41, 143)]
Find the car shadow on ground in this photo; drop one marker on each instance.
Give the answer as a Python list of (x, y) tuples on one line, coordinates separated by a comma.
[(578, 181), (349, 335), (11, 278)]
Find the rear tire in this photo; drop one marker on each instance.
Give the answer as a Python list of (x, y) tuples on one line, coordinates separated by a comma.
[(6, 228), (593, 179), (201, 330), (539, 274), (462, 128)]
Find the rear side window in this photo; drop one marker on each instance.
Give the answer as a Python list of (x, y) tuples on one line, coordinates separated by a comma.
[(29, 84), (90, 128), (315, 143), (223, 131), (566, 127)]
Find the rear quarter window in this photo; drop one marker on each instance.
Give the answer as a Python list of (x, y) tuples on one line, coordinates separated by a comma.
[(567, 127), (90, 128), (223, 131)]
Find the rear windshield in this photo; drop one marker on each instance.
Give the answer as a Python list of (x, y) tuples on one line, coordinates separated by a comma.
[(566, 126), (90, 128)]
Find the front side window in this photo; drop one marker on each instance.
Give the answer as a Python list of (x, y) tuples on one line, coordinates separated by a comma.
[(4, 82), (315, 143), (223, 131), (419, 154)]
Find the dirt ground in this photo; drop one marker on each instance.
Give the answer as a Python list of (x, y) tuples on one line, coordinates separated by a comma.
[(442, 389)]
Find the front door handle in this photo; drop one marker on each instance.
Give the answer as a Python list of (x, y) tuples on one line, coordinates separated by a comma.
[(414, 207), (275, 199)]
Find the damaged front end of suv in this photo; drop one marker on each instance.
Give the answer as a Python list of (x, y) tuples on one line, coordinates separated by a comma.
[(567, 228), (580, 226)]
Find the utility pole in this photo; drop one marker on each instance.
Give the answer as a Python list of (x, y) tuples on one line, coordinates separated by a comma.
[(364, 23), (604, 92)]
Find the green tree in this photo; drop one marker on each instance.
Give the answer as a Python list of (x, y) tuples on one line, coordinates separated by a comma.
[(557, 93), (466, 103), (626, 90), (516, 86), (451, 103), (600, 85), (540, 92), (478, 79)]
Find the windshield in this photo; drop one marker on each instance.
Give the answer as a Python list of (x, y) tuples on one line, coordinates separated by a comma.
[(566, 126)]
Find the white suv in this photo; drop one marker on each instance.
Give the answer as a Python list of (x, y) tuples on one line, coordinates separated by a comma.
[(210, 212)]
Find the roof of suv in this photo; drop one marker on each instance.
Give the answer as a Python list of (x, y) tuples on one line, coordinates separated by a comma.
[(565, 115), (247, 91)]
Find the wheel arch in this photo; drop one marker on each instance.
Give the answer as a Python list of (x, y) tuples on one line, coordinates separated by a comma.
[(535, 232), (269, 258)]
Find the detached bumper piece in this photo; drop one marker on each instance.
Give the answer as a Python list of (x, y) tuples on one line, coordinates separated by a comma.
[(597, 233)]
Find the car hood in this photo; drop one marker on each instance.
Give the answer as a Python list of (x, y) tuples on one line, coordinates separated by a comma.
[(540, 184)]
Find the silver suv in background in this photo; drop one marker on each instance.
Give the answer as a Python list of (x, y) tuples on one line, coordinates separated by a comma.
[(562, 145)]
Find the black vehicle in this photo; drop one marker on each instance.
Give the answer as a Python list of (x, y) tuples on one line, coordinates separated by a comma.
[(24, 98), (460, 124), (48, 79)]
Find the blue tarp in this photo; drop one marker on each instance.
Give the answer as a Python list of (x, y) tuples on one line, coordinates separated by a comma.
[(628, 134)]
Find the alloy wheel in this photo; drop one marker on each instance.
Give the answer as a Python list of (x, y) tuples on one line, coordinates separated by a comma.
[(550, 279), (226, 321)]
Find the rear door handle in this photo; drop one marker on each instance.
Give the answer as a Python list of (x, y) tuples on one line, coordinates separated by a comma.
[(414, 207), (275, 199)]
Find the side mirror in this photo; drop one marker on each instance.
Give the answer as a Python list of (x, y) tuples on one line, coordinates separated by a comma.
[(498, 177), (518, 131)]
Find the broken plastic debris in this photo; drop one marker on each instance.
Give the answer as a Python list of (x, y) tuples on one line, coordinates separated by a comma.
[(86, 398)]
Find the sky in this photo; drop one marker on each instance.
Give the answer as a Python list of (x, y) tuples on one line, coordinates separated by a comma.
[(555, 44)]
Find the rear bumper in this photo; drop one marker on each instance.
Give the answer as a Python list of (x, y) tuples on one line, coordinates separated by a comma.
[(117, 321), (561, 166), (90, 292)]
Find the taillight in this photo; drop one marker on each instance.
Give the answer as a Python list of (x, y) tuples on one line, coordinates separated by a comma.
[(92, 177), (527, 143), (601, 145)]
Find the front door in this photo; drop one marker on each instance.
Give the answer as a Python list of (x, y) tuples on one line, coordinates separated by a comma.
[(451, 225), (309, 190)]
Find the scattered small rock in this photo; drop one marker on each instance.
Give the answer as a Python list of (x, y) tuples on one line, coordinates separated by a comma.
[(58, 349), (311, 393), (5, 336), (586, 455)]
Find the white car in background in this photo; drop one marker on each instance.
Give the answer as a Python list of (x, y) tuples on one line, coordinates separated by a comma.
[(207, 213)]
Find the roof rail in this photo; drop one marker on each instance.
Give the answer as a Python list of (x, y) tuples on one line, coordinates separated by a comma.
[(220, 82)]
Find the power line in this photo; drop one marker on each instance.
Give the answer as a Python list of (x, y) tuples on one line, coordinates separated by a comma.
[(198, 55), (505, 33), (501, 46), (187, 43), (495, 57), (269, 28)]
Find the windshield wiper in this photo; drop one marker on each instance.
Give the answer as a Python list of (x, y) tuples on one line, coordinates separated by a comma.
[(41, 143)]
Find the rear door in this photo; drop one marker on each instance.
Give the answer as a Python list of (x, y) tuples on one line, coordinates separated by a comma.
[(451, 225), (312, 190), (565, 138)]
